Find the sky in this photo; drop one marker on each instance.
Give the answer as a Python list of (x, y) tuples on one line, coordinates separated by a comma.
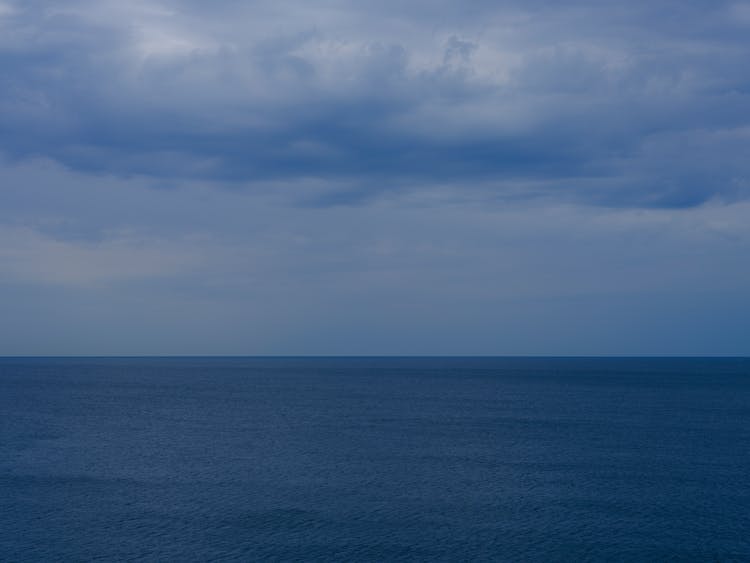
[(382, 178)]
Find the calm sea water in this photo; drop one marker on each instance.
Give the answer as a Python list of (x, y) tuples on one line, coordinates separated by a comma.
[(375, 459)]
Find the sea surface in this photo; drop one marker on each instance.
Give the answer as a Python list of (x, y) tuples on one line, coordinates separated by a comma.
[(374, 459)]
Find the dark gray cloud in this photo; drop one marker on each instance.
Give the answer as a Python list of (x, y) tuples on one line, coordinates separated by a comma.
[(637, 104)]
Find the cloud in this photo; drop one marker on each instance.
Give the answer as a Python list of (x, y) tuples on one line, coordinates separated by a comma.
[(108, 265), (32, 256), (636, 105)]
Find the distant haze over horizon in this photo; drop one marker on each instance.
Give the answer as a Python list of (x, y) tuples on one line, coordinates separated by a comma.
[(338, 178)]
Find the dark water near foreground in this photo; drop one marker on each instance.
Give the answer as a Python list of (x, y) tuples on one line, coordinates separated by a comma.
[(375, 459)]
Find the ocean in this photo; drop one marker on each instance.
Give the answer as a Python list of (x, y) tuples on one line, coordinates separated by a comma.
[(375, 459)]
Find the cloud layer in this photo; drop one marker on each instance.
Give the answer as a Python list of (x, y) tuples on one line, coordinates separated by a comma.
[(341, 177), (114, 266), (641, 104)]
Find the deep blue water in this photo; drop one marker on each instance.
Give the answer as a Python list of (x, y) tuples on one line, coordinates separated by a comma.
[(375, 459)]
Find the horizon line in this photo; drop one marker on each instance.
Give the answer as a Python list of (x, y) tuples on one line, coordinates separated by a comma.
[(373, 356)]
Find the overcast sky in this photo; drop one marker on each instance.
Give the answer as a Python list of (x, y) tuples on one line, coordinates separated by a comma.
[(344, 177)]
